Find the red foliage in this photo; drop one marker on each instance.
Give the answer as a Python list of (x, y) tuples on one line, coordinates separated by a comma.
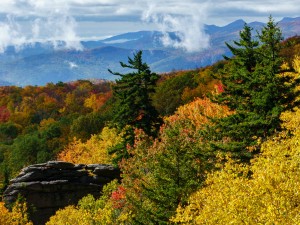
[(219, 88), (4, 114), (118, 197)]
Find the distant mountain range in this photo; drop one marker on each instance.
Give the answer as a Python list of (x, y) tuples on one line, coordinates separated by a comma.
[(40, 63)]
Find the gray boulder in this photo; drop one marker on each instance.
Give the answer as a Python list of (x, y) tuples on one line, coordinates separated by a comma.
[(50, 186)]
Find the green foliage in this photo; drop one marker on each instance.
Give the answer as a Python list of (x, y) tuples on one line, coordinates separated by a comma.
[(132, 92), (133, 107), (163, 169), (37, 122), (256, 89), (8, 131), (120, 150), (161, 173), (4, 172), (176, 170), (264, 192), (86, 125), (178, 88), (25, 151), (90, 210), (168, 96)]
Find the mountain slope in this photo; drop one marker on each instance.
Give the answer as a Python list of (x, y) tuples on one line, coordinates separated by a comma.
[(40, 63)]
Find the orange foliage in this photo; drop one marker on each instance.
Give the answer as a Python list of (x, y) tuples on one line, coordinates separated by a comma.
[(118, 198), (96, 101), (198, 112), (178, 147), (204, 78)]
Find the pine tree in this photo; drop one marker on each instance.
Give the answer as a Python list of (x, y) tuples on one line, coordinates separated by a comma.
[(134, 107), (256, 90), (161, 174)]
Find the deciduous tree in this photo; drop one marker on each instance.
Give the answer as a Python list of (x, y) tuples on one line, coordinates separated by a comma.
[(264, 192)]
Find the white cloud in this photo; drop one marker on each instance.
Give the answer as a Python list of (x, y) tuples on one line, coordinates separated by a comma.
[(46, 22), (187, 24), (127, 7), (10, 35), (55, 19), (60, 29), (72, 65)]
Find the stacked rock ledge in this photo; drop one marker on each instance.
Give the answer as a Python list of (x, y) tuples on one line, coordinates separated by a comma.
[(54, 185)]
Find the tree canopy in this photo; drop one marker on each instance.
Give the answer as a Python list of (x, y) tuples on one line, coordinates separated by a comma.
[(256, 88)]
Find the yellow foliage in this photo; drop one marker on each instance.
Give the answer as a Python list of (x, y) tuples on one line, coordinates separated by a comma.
[(18, 215), (291, 121), (269, 196), (92, 151), (46, 122), (90, 102), (92, 211), (71, 216), (294, 74), (296, 64), (198, 111), (95, 150), (4, 214), (95, 101)]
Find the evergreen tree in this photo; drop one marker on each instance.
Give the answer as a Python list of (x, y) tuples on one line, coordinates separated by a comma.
[(161, 174), (134, 107), (255, 88)]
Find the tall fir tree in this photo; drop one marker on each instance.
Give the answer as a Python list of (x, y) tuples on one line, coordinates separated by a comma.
[(134, 107), (255, 88)]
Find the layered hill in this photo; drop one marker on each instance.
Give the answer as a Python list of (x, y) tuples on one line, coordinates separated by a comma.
[(40, 63)]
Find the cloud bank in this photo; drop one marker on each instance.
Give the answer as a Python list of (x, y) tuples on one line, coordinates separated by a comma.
[(33, 21), (188, 25), (10, 35), (65, 22)]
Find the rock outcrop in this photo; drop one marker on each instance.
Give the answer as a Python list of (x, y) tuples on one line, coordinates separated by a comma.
[(53, 185)]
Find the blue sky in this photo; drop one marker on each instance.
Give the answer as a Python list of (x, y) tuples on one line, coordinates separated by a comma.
[(26, 21)]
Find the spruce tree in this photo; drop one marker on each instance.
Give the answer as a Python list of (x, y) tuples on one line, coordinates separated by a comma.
[(256, 90), (134, 107)]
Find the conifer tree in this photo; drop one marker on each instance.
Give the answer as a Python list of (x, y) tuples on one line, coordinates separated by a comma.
[(255, 88), (134, 107)]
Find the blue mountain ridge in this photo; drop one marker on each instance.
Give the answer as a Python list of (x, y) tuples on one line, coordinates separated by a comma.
[(40, 63)]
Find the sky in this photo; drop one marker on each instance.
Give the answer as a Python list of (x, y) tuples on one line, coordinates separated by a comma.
[(26, 21)]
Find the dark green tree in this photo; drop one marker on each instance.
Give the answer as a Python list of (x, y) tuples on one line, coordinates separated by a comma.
[(255, 89), (134, 107), (86, 125), (168, 95), (161, 175)]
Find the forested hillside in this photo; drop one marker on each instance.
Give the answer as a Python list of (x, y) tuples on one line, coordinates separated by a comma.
[(217, 145)]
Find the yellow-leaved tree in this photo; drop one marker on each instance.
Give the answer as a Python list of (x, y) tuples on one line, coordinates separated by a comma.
[(264, 192), (102, 211), (18, 215), (94, 150)]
